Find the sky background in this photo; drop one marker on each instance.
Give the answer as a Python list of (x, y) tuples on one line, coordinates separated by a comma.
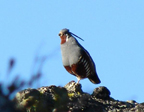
[(113, 32)]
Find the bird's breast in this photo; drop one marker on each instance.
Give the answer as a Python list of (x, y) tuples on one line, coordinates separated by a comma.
[(70, 54)]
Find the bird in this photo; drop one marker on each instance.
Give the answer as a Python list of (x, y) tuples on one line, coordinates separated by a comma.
[(76, 59)]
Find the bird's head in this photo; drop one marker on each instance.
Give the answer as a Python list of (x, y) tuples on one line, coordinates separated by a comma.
[(65, 34)]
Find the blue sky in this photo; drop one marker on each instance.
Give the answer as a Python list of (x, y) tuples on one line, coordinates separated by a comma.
[(113, 32)]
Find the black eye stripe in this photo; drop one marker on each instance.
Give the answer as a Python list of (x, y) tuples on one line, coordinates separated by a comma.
[(61, 34)]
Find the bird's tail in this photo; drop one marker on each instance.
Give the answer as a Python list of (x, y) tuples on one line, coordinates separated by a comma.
[(94, 78)]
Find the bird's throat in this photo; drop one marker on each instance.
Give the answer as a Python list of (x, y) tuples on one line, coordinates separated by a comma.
[(63, 39)]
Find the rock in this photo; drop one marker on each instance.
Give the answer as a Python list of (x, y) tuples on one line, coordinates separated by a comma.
[(101, 92), (71, 98), (73, 87), (74, 90), (43, 99), (27, 98)]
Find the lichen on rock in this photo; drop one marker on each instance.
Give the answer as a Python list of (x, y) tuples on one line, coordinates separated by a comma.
[(71, 98)]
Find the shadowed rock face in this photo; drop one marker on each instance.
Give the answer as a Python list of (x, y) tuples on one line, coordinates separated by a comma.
[(71, 98)]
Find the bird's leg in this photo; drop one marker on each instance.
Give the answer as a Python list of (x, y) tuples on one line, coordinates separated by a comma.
[(78, 78)]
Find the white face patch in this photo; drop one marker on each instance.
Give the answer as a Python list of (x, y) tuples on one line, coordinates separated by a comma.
[(67, 37)]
